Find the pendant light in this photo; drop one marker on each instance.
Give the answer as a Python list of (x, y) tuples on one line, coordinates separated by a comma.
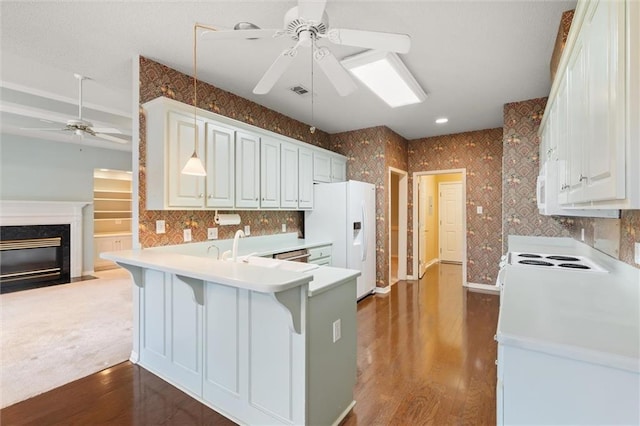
[(194, 165)]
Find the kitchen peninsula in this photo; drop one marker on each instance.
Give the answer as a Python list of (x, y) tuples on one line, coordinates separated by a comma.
[(272, 344)]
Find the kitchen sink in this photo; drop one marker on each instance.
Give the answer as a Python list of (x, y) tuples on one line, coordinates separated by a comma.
[(277, 264)]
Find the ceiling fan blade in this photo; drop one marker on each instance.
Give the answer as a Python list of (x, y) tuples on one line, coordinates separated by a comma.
[(335, 72), (389, 42), (110, 138), (275, 71), (311, 10), (47, 129), (239, 34), (106, 130)]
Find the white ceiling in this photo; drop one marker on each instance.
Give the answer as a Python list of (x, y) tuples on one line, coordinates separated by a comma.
[(471, 57)]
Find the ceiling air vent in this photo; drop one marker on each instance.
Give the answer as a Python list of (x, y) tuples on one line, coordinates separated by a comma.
[(299, 89)]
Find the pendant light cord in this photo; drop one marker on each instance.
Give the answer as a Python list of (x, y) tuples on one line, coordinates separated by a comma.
[(312, 129)]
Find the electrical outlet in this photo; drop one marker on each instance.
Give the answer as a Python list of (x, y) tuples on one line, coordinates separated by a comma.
[(160, 228), (337, 330), (479, 209), (284, 227), (637, 255), (212, 233), (187, 235), (247, 230), (582, 234)]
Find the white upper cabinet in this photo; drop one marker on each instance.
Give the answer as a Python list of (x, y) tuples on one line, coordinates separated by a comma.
[(591, 120), (321, 167), (329, 167), (289, 172), (247, 167), (184, 190), (269, 173), (247, 170), (305, 178), (220, 165), (296, 177), (338, 169)]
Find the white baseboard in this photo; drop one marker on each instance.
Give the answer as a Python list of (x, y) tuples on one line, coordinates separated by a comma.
[(86, 273), (134, 358), (483, 288), (383, 290), (344, 413)]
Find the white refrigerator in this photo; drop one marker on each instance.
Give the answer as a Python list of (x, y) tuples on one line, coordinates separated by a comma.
[(344, 213)]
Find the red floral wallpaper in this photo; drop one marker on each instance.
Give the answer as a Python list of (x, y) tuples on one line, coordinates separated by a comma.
[(159, 80), (480, 153), (369, 153), (520, 172)]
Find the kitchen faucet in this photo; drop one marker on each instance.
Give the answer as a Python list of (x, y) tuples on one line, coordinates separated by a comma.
[(234, 252)]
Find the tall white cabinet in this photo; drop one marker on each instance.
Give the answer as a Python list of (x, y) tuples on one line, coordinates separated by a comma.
[(590, 130), (247, 167)]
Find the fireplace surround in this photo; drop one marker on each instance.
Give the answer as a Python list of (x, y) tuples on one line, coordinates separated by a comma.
[(22, 225)]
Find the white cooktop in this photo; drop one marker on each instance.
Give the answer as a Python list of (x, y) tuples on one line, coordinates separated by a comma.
[(554, 261)]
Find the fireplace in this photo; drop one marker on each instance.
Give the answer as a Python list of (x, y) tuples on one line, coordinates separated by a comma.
[(34, 256), (44, 237)]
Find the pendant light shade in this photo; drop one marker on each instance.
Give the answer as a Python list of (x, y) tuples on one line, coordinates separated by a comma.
[(194, 166)]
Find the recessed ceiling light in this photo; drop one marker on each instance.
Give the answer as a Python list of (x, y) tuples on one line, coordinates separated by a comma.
[(442, 120)]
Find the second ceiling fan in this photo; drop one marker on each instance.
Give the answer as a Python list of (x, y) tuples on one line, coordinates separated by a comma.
[(305, 24)]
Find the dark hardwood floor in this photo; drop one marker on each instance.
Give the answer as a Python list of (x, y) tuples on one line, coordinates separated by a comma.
[(425, 356)]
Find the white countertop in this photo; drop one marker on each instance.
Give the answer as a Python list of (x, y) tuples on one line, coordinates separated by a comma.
[(265, 245), (591, 316), (235, 274)]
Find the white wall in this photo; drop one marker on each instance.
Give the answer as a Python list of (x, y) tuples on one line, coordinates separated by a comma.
[(33, 169)]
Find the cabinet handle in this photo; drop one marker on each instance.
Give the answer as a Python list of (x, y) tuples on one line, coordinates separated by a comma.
[(583, 177), (210, 196), (564, 186), (200, 195), (495, 337), (256, 199)]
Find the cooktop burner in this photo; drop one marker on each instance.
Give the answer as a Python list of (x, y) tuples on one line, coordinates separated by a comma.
[(564, 258), (535, 262), (573, 265), (554, 261)]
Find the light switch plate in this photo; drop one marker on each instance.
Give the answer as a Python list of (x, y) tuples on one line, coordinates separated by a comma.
[(284, 227), (212, 233), (247, 230), (479, 209), (337, 330), (160, 228), (637, 255), (187, 235)]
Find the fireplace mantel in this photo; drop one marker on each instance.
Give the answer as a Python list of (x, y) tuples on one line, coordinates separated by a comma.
[(18, 213)]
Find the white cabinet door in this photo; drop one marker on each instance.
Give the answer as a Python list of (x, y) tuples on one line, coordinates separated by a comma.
[(184, 190), (605, 138), (247, 170), (305, 178), (269, 173), (577, 121), (321, 167), (220, 165), (338, 169), (561, 145), (289, 180)]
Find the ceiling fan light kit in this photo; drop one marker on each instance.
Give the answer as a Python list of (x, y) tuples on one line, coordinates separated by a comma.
[(306, 24), (386, 76)]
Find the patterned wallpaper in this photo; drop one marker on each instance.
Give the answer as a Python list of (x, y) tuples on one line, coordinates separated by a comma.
[(159, 80), (369, 153), (520, 170), (480, 153)]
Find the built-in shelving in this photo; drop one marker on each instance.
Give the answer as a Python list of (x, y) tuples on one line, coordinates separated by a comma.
[(111, 214)]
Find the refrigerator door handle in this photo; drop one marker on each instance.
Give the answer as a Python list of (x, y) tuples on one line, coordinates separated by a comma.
[(364, 234)]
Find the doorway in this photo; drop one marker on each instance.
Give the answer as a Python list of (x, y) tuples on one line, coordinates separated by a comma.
[(439, 218), (397, 224)]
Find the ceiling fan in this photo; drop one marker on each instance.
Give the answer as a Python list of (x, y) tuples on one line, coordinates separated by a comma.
[(306, 24), (81, 127)]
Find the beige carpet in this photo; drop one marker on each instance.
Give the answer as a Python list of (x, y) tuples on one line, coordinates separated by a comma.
[(54, 335)]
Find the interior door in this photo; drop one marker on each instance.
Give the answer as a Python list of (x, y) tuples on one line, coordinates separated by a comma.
[(450, 213), (422, 224)]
